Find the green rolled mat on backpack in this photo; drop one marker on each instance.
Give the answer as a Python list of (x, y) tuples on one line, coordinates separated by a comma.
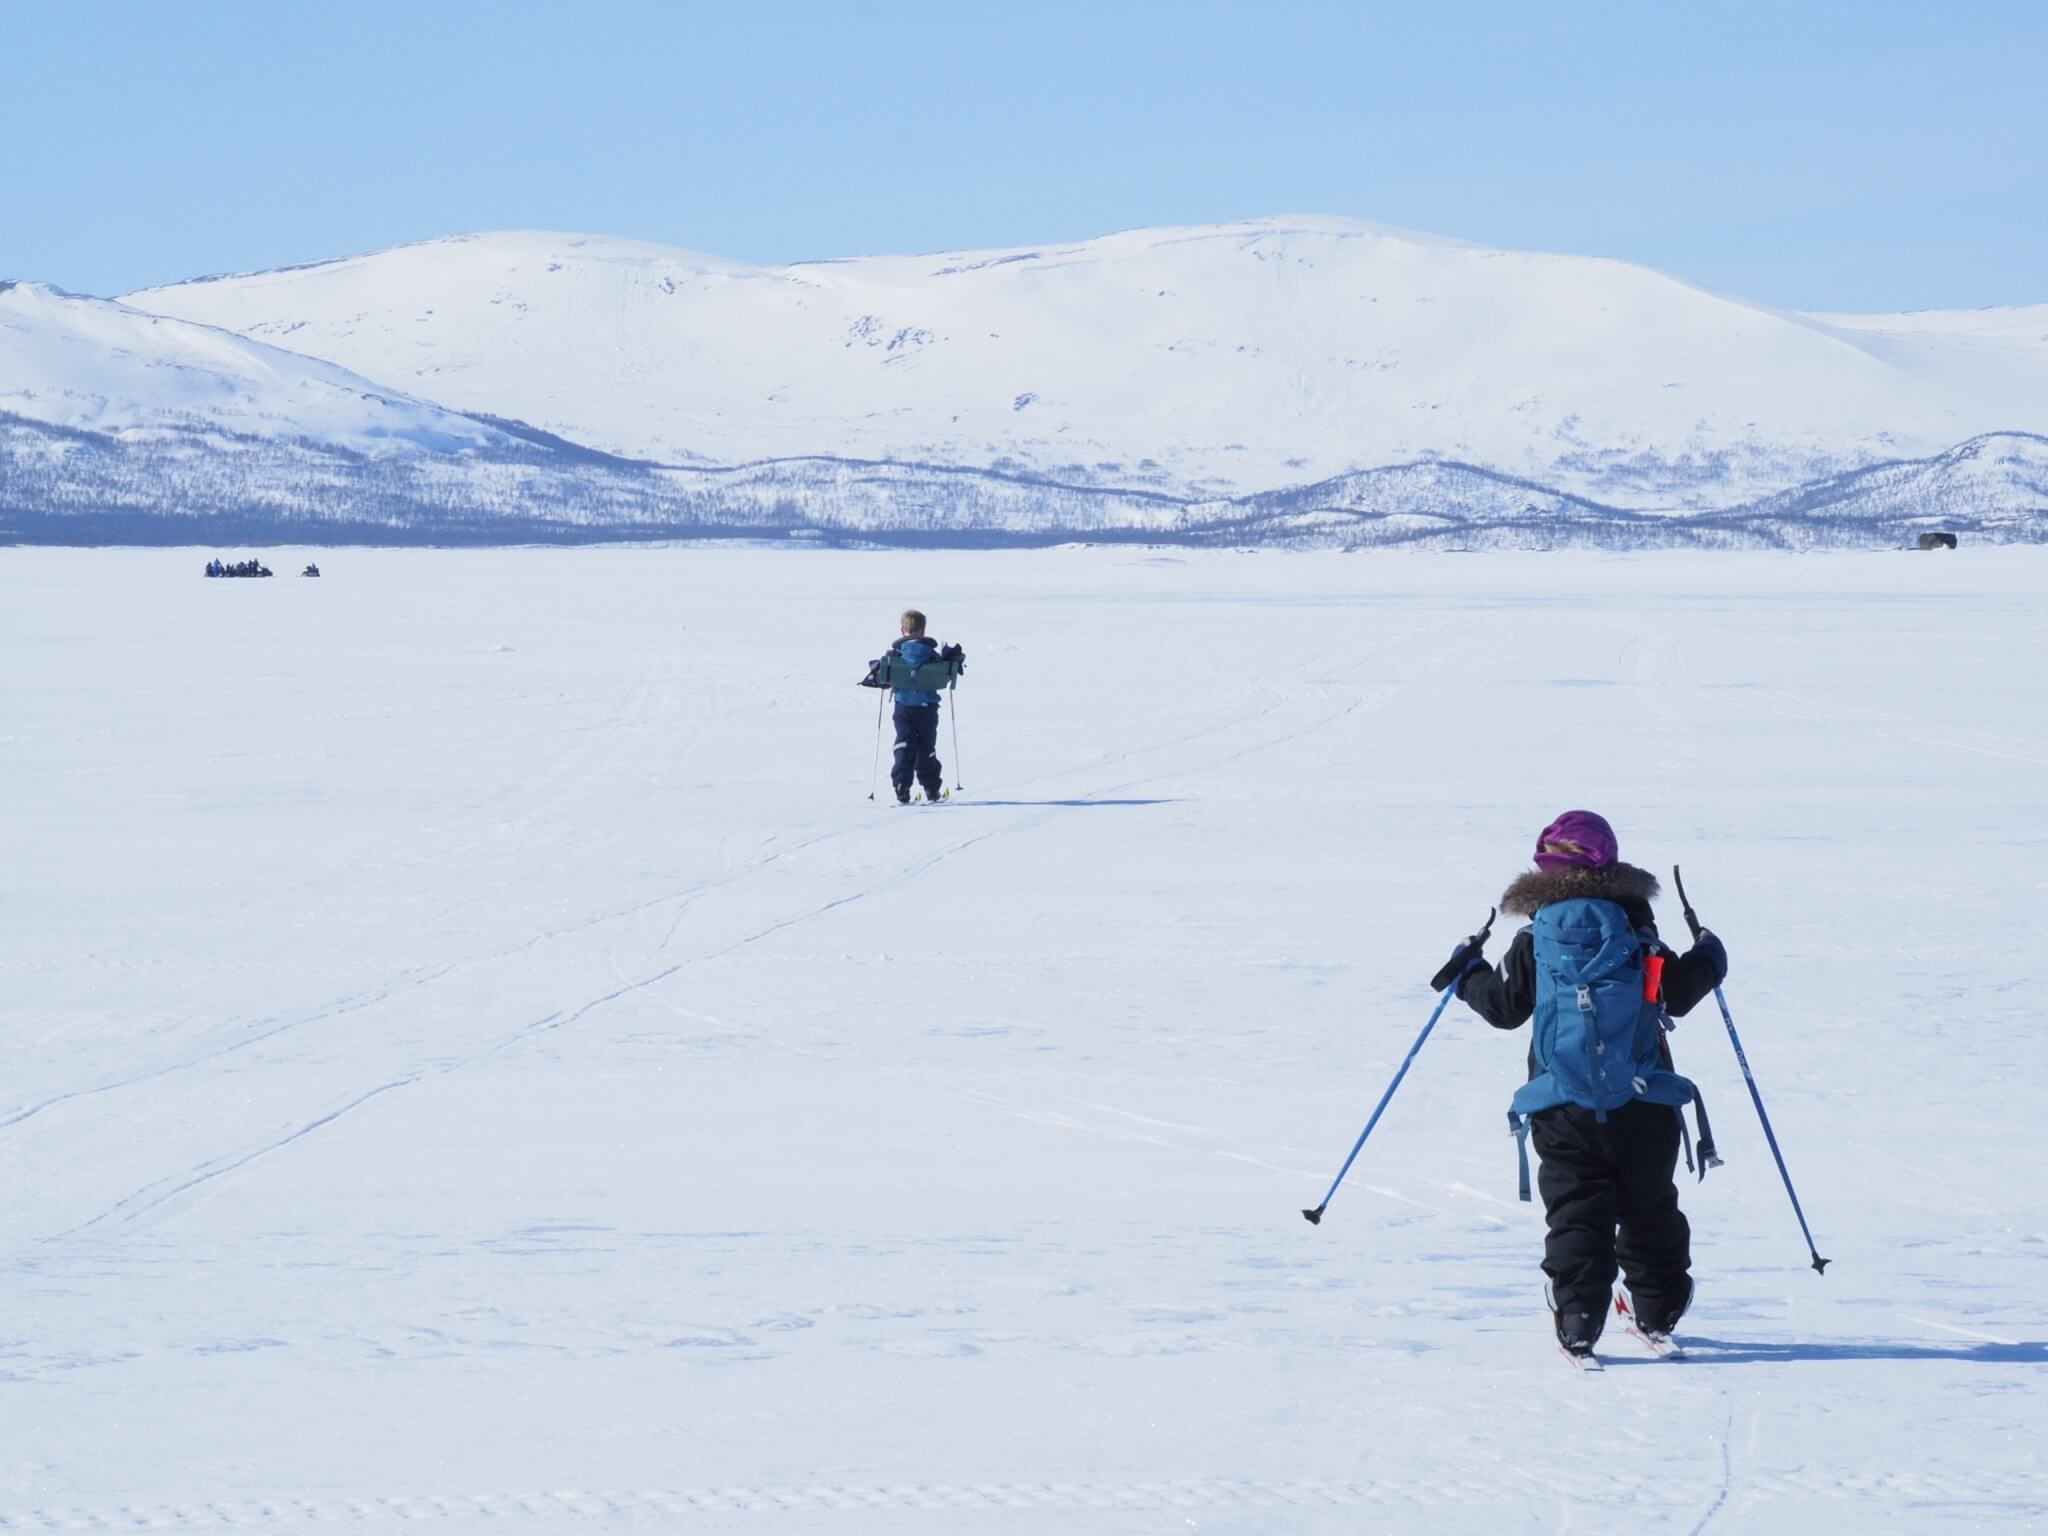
[(894, 672)]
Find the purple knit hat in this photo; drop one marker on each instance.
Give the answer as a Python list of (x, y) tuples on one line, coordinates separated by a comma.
[(1576, 840)]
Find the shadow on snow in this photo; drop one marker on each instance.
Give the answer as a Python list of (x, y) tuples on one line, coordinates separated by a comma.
[(1170, 800), (1704, 1351)]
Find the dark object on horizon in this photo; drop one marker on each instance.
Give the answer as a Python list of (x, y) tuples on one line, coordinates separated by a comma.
[(310, 570), (1937, 541), (239, 568)]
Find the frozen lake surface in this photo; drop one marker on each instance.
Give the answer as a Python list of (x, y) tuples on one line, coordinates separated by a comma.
[(473, 1058)]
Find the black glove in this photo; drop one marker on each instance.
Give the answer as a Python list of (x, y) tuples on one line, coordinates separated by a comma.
[(956, 656), (1715, 952), (874, 677), (1465, 957)]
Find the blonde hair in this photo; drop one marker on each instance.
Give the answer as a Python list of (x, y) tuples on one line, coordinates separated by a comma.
[(913, 621)]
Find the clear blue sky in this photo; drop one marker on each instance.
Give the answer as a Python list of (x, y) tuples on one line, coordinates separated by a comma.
[(1820, 155)]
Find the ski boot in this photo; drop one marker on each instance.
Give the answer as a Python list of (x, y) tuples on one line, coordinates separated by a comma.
[(1653, 1333), (1577, 1332)]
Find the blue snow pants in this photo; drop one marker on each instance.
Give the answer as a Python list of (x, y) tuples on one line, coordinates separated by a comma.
[(917, 749)]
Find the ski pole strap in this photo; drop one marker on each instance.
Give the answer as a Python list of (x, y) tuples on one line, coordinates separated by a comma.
[(1518, 1126), (1709, 1158), (1685, 1140)]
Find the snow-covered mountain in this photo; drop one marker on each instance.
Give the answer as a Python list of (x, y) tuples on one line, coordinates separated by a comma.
[(1283, 381), (1207, 362), (94, 366), (121, 426)]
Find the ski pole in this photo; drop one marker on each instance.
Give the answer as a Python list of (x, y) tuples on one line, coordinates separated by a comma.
[(1820, 1265), (1315, 1217), (875, 778), (954, 715)]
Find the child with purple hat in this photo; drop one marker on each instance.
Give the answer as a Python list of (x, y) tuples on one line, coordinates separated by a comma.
[(1591, 970)]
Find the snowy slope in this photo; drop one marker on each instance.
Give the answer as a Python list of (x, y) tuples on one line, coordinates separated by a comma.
[(63, 487), (2022, 325), (473, 1061), (1211, 361), (1988, 484), (92, 365)]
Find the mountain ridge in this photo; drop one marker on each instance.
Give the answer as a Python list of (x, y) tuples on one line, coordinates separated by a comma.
[(1207, 360), (1288, 380)]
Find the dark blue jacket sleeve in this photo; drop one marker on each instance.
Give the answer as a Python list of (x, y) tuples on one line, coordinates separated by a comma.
[(1692, 975), (1504, 995)]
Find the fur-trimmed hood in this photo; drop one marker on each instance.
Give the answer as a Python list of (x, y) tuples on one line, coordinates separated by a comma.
[(1615, 882)]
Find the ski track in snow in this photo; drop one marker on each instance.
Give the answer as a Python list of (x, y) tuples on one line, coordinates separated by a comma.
[(1167, 1275), (166, 1188), (148, 1199), (1727, 1474)]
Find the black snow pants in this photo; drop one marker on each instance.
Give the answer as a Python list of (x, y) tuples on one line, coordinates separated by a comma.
[(1598, 1178), (917, 749)]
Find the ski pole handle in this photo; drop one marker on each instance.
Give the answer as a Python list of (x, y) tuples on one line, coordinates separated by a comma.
[(1464, 957), (1692, 919)]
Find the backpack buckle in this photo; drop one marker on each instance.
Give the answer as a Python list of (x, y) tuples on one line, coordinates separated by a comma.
[(1585, 999)]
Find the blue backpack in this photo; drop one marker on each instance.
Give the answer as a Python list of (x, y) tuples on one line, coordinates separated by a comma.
[(1598, 1036)]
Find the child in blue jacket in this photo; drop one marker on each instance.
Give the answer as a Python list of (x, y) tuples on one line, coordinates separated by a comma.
[(917, 717), (1608, 1183)]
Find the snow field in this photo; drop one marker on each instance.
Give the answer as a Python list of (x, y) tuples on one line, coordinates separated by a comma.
[(472, 1057)]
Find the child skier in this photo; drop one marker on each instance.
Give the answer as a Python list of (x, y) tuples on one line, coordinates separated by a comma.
[(917, 716), (1602, 1103)]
